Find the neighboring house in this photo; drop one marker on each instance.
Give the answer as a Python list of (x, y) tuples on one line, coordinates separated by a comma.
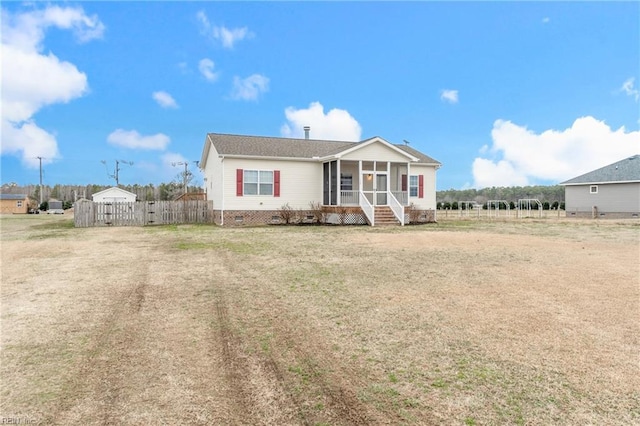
[(612, 191), (14, 203), (250, 178), (114, 194)]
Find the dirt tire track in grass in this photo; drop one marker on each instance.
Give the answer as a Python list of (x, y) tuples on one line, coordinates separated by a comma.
[(98, 373), (340, 400)]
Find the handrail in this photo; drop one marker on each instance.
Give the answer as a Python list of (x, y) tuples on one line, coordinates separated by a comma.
[(401, 196), (367, 208), (396, 207)]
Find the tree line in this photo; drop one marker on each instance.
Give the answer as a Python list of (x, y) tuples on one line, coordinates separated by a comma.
[(549, 196)]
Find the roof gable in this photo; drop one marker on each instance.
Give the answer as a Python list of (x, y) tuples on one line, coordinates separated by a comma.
[(627, 170), (376, 140)]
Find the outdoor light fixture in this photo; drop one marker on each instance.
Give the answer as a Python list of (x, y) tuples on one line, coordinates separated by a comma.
[(369, 176)]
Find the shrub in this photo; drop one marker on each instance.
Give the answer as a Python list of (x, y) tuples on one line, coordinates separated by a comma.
[(318, 211), (286, 213), (414, 213)]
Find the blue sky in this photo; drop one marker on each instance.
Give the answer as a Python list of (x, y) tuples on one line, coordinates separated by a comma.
[(501, 93)]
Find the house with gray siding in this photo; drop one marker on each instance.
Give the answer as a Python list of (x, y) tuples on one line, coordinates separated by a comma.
[(612, 191), (249, 179)]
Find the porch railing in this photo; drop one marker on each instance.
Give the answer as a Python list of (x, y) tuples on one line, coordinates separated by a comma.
[(367, 208), (349, 197), (401, 196), (396, 207)]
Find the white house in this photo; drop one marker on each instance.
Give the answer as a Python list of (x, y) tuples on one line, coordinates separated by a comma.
[(250, 178), (114, 194)]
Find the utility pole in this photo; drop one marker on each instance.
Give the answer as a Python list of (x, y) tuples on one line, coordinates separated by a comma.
[(184, 176), (117, 169), (40, 159)]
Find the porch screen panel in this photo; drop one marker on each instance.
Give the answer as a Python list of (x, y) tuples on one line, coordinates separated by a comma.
[(325, 185), (334, 182)]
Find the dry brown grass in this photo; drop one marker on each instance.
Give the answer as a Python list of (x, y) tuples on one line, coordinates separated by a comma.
[(461, 322)]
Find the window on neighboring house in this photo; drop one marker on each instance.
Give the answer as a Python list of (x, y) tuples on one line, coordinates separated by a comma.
[(413, 186), (593, 189), (258, 182), (19, 204), (346, 182)]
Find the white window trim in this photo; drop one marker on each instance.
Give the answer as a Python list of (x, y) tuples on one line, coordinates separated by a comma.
[(244, 182), (591, 189), (416, 186)]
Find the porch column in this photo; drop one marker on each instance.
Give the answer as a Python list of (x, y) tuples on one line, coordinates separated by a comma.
[(339, 179), (359, 178)]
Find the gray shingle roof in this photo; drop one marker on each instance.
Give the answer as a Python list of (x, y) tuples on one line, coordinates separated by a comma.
[(12, 196), (627, 170), (261, 146)]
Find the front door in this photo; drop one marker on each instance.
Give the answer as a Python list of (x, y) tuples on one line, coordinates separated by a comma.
[(374, 187), (381, 189)]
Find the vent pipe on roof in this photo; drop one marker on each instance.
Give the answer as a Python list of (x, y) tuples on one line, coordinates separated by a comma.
[(306, 132)]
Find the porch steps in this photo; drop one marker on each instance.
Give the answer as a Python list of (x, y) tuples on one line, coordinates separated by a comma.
[(383, 216)]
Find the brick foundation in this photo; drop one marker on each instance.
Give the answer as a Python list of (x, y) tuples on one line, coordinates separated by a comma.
[(334, 215)]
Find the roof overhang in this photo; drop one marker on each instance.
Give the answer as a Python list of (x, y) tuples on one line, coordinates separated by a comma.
[(598, 182), (262, 157)]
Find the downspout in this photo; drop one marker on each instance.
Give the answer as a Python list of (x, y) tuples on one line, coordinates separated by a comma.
[(222, 201)]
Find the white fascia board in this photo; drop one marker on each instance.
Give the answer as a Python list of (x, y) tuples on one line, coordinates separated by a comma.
[(205, 153), (599, 183), (260, 157)]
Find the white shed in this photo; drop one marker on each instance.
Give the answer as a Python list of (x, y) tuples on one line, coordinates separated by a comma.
[(114, 194)]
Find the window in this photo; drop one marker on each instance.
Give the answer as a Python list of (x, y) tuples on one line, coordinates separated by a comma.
[(593, 189), (346, 182), (413, 186), (19, 204), (258, 182)]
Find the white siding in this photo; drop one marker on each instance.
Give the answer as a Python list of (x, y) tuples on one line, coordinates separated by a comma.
[(300, 184), (214, 175), (429, 199), (376, 151)]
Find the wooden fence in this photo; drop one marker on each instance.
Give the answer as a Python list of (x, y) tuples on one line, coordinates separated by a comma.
[(142, 213)]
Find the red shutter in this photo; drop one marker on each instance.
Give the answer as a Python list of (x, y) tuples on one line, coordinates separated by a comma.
[(420, 186), (404, 182), (239, 175), (276, 183)]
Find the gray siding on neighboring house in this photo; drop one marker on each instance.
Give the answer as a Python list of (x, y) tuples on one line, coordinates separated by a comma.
[(610, 198)]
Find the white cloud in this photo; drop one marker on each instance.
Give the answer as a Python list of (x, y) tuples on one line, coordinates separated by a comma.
[(32, 79), (164, 99), (228, 37), (522, 157), (337, 124), (450, 96), (134, 140), (248, 89), (629, 90), (546, 20), (206, 67)]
